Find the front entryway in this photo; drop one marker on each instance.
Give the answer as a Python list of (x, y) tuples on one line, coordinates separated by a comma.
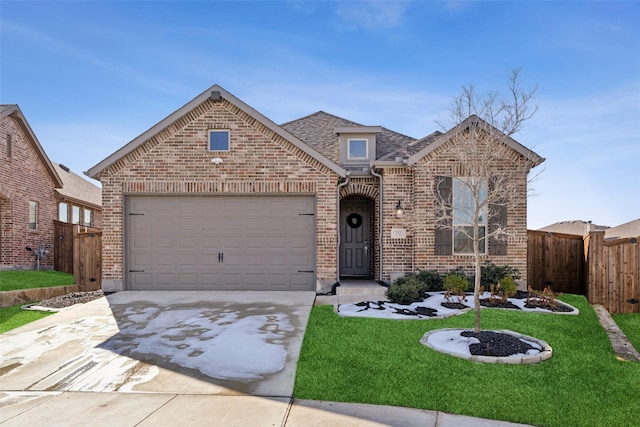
[(355, 238)]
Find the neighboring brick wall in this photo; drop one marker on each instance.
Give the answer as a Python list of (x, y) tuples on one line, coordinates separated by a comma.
[(23, 178), (178, 161)]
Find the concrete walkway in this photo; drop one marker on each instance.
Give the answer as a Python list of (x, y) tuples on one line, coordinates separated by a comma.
[(176, 358), (619, 342), (115, 409)]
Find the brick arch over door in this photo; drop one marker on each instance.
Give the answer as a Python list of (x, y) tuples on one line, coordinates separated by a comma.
[(359, 190)]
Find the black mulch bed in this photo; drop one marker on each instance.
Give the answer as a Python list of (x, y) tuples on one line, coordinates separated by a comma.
[(557, 308), (497, 344), (498, 304), (454, 305), (380, 305), (422, 311), (371, 305)]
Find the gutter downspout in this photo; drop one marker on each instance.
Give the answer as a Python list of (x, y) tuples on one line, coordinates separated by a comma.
[(380, 224), (342, 184)]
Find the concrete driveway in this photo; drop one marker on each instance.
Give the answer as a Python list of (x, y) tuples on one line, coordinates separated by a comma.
[(221, 343), (177, 358)]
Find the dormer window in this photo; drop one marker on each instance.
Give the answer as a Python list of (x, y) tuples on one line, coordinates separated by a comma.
[(358, 149), (357, 144)]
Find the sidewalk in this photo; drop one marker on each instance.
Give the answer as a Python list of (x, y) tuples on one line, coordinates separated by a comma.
[(159, 410)]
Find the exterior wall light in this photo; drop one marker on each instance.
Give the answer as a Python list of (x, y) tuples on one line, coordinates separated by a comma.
[(216, 160), (399, 210)]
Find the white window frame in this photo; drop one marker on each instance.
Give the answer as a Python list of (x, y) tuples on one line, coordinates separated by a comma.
[(463, 211), (220, 131), (33, 216), (86, 216), (61, 217), (75, 214), (366, 149)]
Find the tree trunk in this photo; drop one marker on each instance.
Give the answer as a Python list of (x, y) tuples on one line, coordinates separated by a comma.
[(476, 288)]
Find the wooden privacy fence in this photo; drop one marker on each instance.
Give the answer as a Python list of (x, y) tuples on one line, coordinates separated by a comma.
[(557, 258), (78, 250), (613, 273), (606, 272)]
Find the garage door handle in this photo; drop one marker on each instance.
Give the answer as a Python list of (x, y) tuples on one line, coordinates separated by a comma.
[(220, 257), (305, 271), (136, 271)]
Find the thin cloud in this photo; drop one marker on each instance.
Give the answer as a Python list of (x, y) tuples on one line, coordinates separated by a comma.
[(373, 15)]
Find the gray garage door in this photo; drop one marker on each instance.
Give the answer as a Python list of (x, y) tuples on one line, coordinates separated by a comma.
[(220, 242)]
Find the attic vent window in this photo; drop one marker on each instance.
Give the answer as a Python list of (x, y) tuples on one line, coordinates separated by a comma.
[(358, 149), (218, 140)]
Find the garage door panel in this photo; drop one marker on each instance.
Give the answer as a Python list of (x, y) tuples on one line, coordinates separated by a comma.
[(174, 242)]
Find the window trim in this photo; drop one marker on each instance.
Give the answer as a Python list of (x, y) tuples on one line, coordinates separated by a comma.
[(366, 148), (457, 223), (33, 211), (86, 212), (219, 131), (66, 212), (73, 218)]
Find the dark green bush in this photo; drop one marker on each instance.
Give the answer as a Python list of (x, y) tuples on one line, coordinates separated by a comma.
[(431, 279), (456, 282), (405, 290), (491, 274)]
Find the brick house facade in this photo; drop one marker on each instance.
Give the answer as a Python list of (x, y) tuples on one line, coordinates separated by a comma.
[(358, 177), (27, 187)]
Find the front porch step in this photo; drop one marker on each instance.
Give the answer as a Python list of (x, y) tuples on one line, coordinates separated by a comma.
[(356, 287)]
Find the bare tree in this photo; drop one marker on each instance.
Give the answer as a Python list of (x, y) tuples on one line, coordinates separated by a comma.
[(492, 169)]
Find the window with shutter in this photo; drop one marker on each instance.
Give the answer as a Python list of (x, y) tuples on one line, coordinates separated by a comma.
[(464, 211), (444, 241)]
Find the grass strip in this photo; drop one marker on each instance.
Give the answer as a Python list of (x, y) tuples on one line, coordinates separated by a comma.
[(381, 361), (14, 317), (12, 280)]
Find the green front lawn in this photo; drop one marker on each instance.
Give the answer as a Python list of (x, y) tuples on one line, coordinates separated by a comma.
[(630, 325), (26, 279), (381, 361), (13, 317)]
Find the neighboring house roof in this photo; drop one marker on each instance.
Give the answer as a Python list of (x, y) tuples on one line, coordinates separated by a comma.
[(576, 227), (319, 131), (214, 92), (13, 110), (623, 231), (76, 188), (441, 139)]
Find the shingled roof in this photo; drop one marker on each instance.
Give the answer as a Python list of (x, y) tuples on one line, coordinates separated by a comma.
[(76, 188), (318, 130)]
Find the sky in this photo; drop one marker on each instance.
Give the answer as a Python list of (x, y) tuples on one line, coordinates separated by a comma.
[(90, 76)]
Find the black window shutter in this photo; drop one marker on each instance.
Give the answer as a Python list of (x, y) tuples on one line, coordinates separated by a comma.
[(497, 219), (444, 239)]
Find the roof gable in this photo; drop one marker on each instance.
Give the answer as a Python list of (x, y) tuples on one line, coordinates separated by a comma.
[(442, 139), (13, 111), (214, 93)]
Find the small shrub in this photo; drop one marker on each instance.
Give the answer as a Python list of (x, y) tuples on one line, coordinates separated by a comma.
[(507, 287), (545, 299), (456, 284), (491, 274), (431, 279), (405, 290)]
